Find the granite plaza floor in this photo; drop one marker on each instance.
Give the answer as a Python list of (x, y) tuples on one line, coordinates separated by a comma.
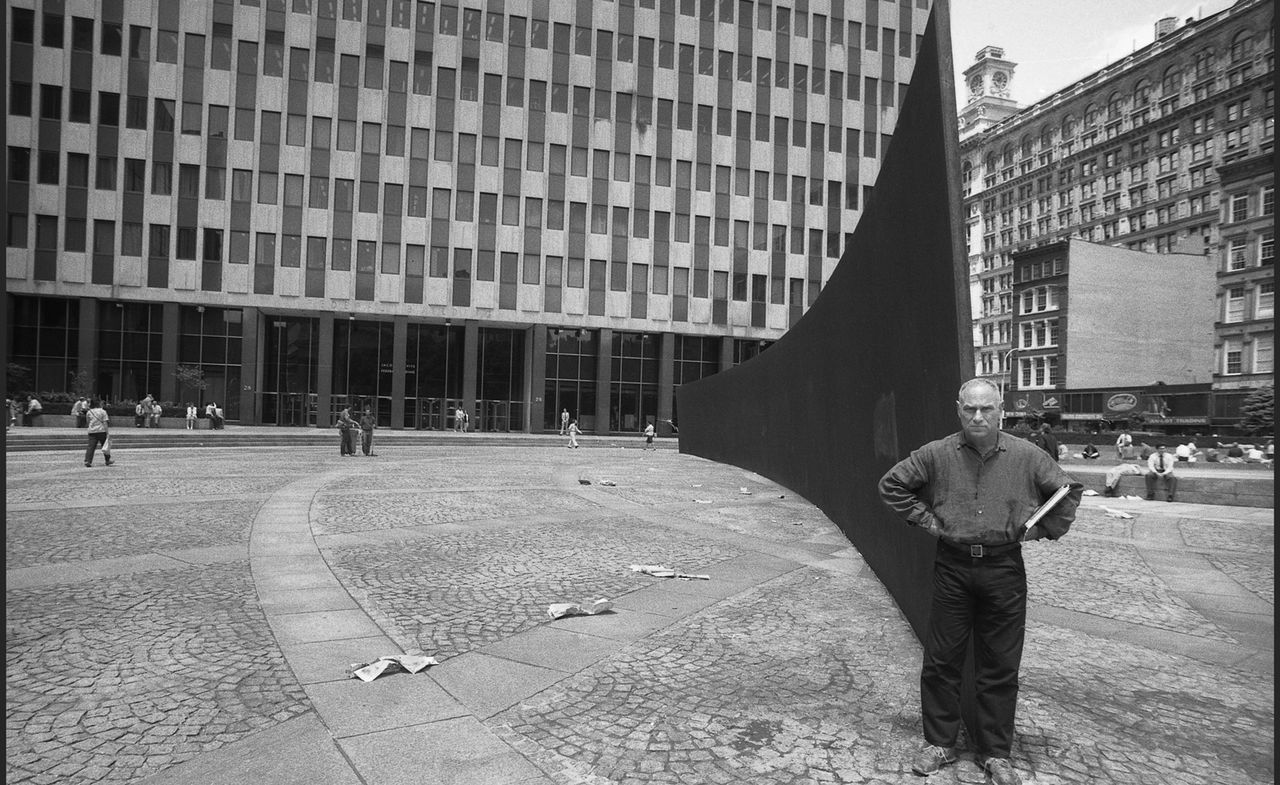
[(191, 617)]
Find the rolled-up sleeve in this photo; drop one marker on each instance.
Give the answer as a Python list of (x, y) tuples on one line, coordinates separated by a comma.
[(900, 486)]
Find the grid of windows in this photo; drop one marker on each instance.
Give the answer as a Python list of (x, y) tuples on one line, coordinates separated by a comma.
[(1129, 154), (698, 122)]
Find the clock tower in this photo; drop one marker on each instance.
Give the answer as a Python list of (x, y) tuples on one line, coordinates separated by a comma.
[(987, 82)]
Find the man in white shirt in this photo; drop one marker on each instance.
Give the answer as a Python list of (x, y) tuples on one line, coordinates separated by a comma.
[(1160, 467)]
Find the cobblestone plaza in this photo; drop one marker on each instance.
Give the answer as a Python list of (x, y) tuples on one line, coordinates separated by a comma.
[(179, 618)]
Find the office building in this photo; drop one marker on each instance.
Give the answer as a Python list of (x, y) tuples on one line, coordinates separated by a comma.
[(1166, 150), (1108, 333), (515, 208)]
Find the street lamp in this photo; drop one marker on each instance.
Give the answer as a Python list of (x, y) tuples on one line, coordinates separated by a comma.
[(1004, 363)]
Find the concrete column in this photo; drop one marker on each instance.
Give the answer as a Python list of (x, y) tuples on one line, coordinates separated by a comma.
[(169, 352), (470, 367), (666, 381), (324, 372), (535, 366), (604, 378), (87, 345), (399, 347), (250, 368), (726, 352)]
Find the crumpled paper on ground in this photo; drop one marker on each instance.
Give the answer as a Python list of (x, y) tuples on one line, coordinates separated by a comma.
[(1089, 492), (558, 610), (1113, 513), (412, 663), (660, 571)]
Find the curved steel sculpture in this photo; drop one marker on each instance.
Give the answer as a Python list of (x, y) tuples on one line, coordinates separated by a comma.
[(871, 370)]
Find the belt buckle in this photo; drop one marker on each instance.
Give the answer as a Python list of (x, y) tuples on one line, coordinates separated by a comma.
[(976, 551)]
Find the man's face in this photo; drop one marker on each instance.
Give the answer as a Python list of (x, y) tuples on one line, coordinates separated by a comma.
[(979, 409)]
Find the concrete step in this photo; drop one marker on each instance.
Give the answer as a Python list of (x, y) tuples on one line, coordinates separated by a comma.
[(1234, 488), (36, 439)]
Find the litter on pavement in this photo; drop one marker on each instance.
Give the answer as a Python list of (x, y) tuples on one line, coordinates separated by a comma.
[(1112, 513), (412, 663), (558, 610), (1089, 492), (660, 571)]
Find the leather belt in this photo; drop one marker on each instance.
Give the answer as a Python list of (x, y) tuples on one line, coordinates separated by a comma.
[(977, 551)]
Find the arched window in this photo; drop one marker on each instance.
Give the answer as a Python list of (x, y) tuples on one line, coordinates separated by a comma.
[(1114, 107), (1204, 63), (1026, 146), (1068, 127), (1241, 46), (1007, 155), (1171, 85), (1142, 94), (1046, 138), (1091, 116), (993, 163)]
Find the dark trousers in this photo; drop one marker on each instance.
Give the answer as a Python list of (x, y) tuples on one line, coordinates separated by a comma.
[(96, 440), (985, 599), (366, 441), (1170, 484), (348, 444)]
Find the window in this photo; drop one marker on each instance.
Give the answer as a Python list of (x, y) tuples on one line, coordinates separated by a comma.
[(1237, 258), (1267, 248), (1235, 305), (1265, 305), (1264, 354), (1231, 357), (1239, 209)]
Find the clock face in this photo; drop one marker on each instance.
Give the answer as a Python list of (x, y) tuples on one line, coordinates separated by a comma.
[(975, 85), (1000, 80)]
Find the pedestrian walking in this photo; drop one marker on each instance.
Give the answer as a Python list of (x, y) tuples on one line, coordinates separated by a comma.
[(648, 437), (973, 491), (98, 423), (191, 416), (573, 434), (1043, 438), (15, 411), (367, 424), (564, 421), (347, 433)]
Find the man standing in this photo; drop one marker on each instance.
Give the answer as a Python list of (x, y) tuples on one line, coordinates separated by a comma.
[(564, 421), (1160, 467), (974, 490), (79, 410), (346, 432), (367, 424)]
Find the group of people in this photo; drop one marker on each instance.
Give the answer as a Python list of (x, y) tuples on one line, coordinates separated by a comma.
[(24, 410), (349, 428)]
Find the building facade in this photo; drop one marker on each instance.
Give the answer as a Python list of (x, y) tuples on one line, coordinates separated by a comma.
[(1104, 333), (513, 208), (1168, 149)]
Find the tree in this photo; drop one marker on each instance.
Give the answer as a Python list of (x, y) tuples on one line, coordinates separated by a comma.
[(190, 377), (82, 384), (19, 377), (1259, 411)]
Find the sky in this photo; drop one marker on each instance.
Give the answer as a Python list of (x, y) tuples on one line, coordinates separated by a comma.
[(1058, 42)]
